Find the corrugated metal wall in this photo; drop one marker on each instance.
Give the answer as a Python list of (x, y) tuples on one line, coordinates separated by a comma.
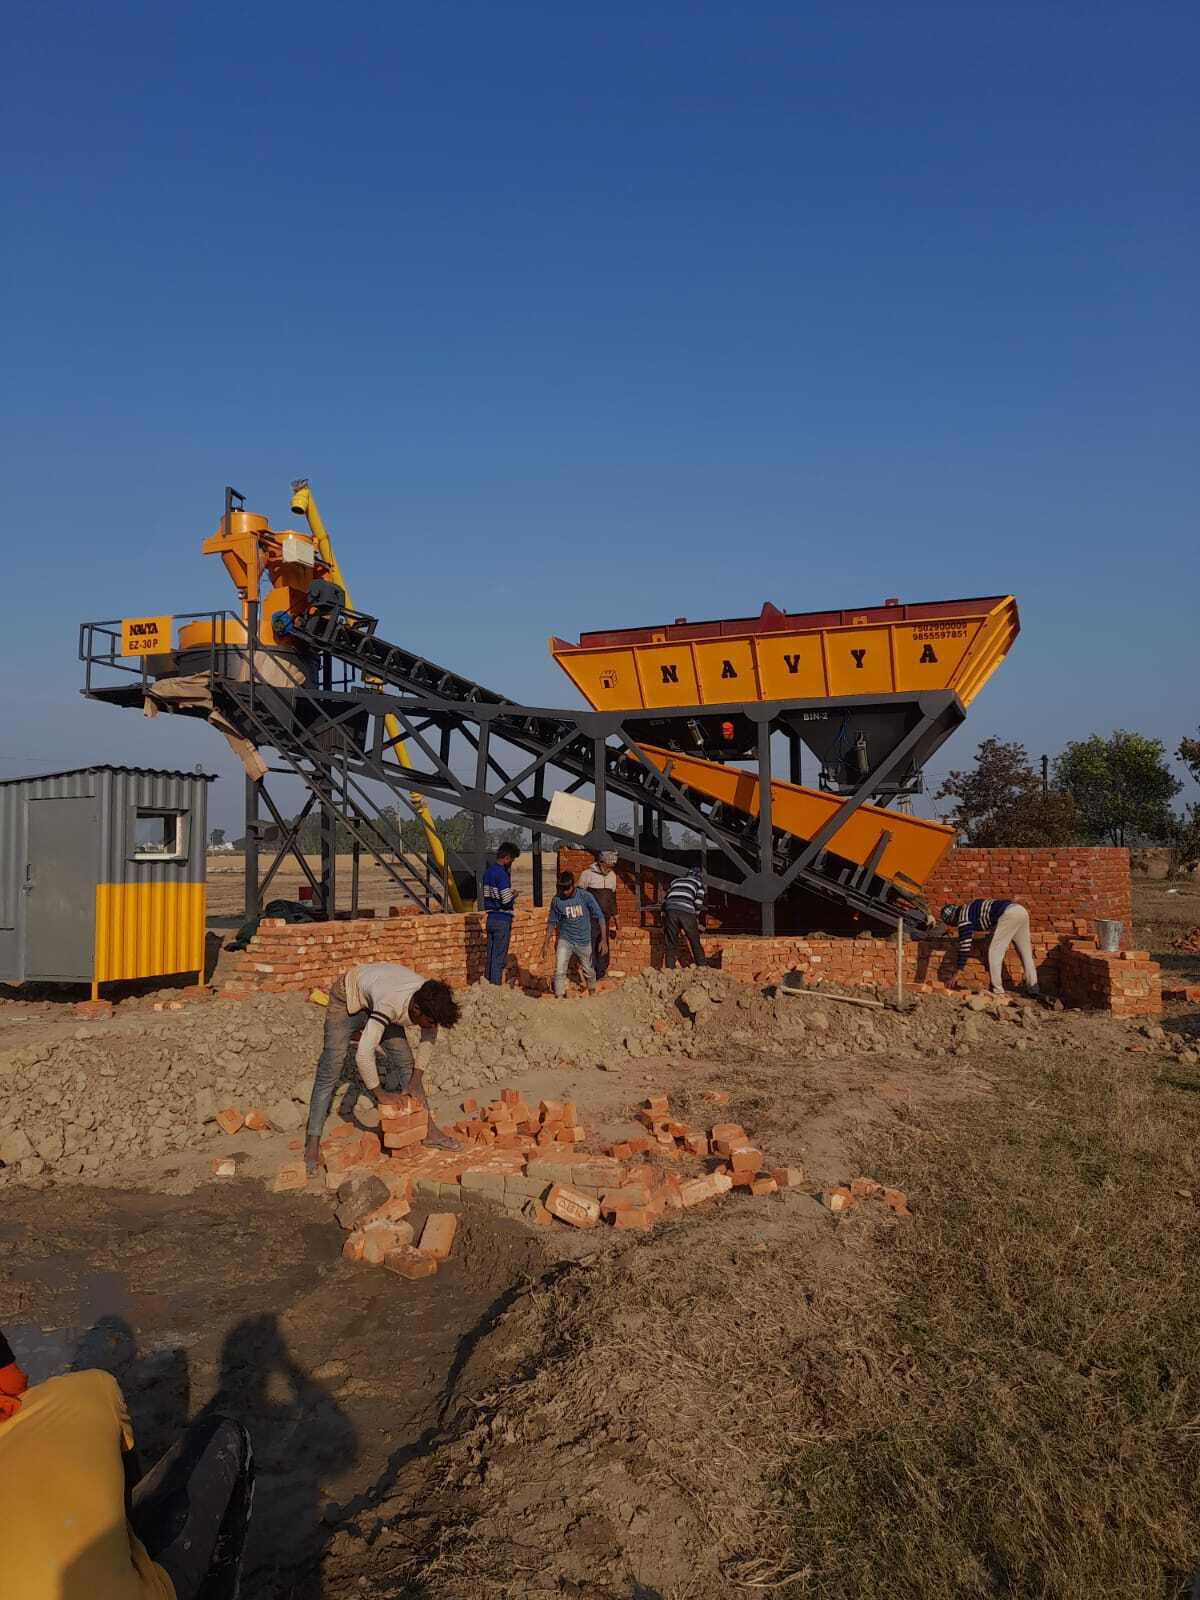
[(13, 795), (144, 921), (121, 793)]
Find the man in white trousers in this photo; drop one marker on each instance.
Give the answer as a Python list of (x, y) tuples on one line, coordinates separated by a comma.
[(1008, 923)]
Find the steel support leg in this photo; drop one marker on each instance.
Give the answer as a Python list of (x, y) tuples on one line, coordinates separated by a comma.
[(766, 844), (251, 895)]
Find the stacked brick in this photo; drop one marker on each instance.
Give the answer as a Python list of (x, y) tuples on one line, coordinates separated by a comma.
[(300, 956), (1127, 984), (1059, 886)]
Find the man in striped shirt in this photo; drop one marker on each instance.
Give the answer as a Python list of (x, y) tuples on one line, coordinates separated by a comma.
[(1008, 923), (682, 910)]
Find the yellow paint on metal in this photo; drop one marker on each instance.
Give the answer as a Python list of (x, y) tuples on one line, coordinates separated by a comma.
[(914, 849), (145, 636), (146, 930), (303, 504), (949, 652)]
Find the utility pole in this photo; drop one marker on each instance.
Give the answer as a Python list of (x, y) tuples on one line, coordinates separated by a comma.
[(1045, 777)]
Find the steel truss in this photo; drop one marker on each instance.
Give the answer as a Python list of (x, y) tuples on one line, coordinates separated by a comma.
[(502, 761)]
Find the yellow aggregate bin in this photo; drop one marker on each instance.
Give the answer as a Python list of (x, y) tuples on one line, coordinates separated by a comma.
[(889, 649)]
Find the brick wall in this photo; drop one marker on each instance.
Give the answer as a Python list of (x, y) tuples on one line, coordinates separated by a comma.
[(1059, 887), (285, 956), (290, 957)]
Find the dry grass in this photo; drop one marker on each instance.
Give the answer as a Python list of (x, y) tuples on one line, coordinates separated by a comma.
[(1000, 1399), (1029, 1421)]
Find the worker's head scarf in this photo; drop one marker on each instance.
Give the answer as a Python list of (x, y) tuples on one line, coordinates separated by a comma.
[(608, 858), (13, 1382), (949, 915)]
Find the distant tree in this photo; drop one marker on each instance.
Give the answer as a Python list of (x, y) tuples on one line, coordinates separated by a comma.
[(1000, 801), (1122, 787), (216, 837), (1189, 754), (1184, 841)]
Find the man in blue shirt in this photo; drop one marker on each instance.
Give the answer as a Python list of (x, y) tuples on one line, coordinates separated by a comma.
[(572, 913), (1008, 923), (499, 897)]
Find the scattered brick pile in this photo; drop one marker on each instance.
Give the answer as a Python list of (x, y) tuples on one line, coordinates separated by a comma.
[(528, 1161), (1187, 941), (1188, 991)]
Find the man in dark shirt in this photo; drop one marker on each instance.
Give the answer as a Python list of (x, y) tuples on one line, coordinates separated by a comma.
[(1008, 923), (682, 910)]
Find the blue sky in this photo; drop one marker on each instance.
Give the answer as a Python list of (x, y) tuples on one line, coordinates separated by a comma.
[(585, 317)]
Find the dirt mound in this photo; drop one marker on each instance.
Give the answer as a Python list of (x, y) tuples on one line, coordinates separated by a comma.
[(82, 1101), (619, 1431), (504, 1032)]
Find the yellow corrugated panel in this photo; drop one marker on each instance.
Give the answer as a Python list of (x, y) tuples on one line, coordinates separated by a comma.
[(957, 652), (914, 849), (146, 930)]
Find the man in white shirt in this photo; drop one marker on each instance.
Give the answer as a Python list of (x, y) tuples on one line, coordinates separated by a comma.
[(381, 998), (600, 881)]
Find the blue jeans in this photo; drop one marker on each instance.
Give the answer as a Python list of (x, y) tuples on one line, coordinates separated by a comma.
[(395, 1067), (499, 932), (563, 951)]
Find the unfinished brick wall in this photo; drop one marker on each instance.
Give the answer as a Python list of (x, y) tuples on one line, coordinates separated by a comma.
[(299, 956), (286, 957), (1058, 886)]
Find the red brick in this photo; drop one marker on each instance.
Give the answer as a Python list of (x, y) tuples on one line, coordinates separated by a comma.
[(865, 1188), (838, 1198), (640, 1218), (230, 1120), (437, 1236), (257, 1121), (94, 1010), (291, 1175), (573, 1206), (410, 1263), (896, 1201)]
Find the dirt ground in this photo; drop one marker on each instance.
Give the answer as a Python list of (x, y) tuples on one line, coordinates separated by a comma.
[(998, 1397)]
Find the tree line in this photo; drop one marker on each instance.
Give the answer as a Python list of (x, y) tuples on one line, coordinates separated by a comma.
[(1115, 790)]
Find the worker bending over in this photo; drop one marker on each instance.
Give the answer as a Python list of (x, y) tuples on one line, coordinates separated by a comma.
[(499, 898), (380, 997), (573, 915), (682, 910), (77, 1522), (1008, 923), (600, 881)]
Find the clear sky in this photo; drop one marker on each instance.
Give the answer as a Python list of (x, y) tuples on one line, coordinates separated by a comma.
[(593, 316)]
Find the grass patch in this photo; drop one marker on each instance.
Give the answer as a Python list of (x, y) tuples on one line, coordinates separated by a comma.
[(1021, 1416)]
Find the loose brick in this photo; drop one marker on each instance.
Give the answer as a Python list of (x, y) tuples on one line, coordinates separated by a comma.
[(788, 1177), (744, 1158), (716, 1097), (410, 1263), (865, 1188), (258, 1121), (570, 1205), (731, 1131), (763, 1184), (697, 1190), (640, 1218), (838, 1199), (230, 1120), (897, 1202), (437, 1236), (224, 1167), (291, 1175)]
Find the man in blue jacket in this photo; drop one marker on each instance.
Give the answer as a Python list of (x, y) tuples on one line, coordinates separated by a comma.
[(573, 912), (499, 897)]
